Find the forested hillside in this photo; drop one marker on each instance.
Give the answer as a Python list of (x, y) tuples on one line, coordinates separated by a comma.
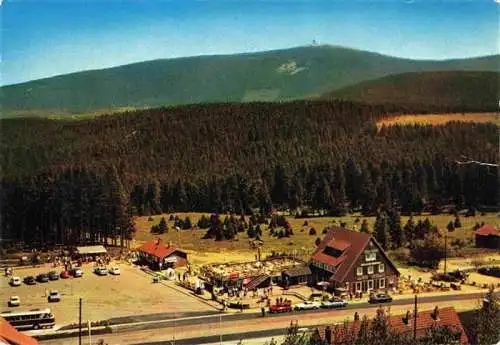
[(71, 179), (470, 91), (295, 73)]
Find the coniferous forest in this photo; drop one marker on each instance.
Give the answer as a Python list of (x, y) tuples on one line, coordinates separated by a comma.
[(65, 181)]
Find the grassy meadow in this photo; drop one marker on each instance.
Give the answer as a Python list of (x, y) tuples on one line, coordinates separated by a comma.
[(208, 250), (439, 119)]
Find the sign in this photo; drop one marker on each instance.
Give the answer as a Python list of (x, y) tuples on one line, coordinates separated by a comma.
[(172, 259)]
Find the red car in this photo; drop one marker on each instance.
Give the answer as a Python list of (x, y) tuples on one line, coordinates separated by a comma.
[(280, 308), (64, 274)]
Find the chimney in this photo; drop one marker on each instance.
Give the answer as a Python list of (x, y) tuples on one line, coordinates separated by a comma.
[(328, 335), (158, 241), (407, 317), (435, 313)]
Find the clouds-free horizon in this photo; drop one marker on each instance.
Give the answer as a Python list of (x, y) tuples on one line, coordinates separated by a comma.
[(48, 38)]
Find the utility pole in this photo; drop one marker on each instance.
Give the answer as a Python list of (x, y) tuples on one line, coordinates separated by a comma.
[(173, 335), (80, 322), (90, 332), (220, 328), (415, 320), (445, 249)]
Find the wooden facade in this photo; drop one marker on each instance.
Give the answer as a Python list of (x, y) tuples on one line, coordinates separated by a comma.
[(353, 262)]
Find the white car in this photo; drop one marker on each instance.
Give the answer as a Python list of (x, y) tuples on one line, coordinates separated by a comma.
[(14, 301), (115, 271), (15, 281), (334, 302), (307, 305), (101, 271), (54, 296)]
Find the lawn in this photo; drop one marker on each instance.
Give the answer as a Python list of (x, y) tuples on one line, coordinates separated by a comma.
[(301, 243)]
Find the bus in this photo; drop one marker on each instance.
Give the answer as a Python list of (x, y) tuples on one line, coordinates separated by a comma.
[(33, 319)]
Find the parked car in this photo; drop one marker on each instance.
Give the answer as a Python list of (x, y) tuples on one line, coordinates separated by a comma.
[(115, 271), (334, 302), (14, 301), (307, 305), (380, 298), (76, 272), (29, 280), (101, 271), (64, 275), (54, 296), (284, 307), (15, 281), (42, 278), (53, 275)]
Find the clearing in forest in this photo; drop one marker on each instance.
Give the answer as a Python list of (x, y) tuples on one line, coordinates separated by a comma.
[(439, 119)]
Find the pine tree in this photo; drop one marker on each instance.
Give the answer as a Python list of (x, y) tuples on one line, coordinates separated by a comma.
[(397, 233), (381, 230), (162, 226), (187, 224), (485, 325), (364, 226), (450, 226), (251, 232)]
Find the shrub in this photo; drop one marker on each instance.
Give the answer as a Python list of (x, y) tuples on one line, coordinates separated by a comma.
[(325, 230), (150, 219), (204, 222), (312, 231), (306, 223), (317, 242), (172, 217), (401, 254), (490, 271)]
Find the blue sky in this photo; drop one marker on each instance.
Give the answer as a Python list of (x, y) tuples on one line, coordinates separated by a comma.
[(42, 38)]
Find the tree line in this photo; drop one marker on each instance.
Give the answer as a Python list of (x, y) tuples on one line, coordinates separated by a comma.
[(66, 179)]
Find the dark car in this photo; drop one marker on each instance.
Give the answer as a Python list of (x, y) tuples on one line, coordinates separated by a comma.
[(380, 298), (29, 280), (53, 275), (42, 278)]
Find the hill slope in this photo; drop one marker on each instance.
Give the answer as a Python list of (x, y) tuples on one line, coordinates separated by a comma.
[(468, 91), (274, 75)]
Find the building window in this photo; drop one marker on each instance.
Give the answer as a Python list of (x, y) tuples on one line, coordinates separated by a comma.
[(381, 268), (370, 285), (370, 269), (381, 283), (370, 256), (359, 271), (358, 286)]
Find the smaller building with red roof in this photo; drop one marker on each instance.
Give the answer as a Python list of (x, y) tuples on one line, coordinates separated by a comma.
[(160, 256), (488, 236), (402, 324)]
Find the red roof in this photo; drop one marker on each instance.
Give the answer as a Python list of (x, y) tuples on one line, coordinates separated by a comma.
[(487, 230), (10, 335), (425, 320), (351, 243), (339, 244), (157, 249)]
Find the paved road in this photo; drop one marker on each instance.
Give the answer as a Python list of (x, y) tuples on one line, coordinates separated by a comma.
[(236, 326), (160, 321)]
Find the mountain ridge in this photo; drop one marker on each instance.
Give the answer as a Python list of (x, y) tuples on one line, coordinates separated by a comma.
[(243, 77)]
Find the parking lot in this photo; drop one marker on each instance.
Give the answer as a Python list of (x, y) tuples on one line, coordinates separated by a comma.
[(103, 297)]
